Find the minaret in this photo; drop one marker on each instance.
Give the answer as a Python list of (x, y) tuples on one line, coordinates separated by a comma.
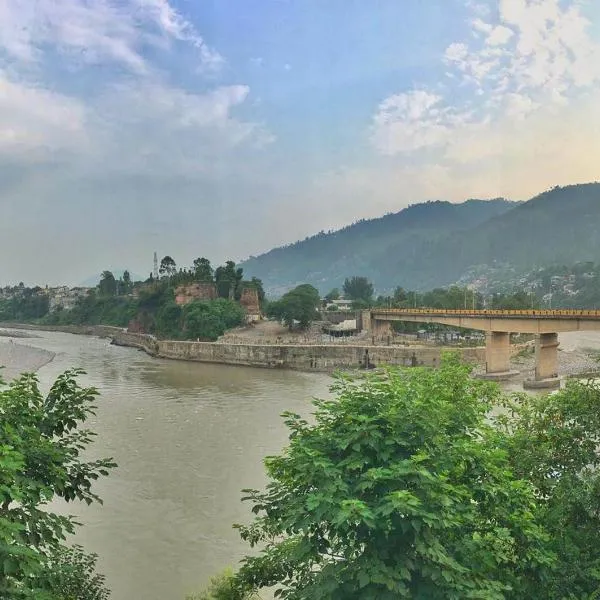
[(155, 267)]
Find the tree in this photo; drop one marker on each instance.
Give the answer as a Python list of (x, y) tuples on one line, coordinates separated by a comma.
[(358, 288), (228, 278), (334, 294), (400, 295), (299, 304), (126, 282), (108, 284), (553, 441), (41, 459), (394, 492), (203, 270), (167, 268), (257, 284)]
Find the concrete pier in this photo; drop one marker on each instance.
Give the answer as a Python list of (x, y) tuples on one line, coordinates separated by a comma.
[(546, 362), (497, 356)]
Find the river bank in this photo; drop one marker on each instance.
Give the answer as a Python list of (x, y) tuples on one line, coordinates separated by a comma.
[(16, 358), (323, 357)]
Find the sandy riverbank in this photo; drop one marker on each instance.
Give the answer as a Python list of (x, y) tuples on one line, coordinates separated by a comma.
[(16, 358)]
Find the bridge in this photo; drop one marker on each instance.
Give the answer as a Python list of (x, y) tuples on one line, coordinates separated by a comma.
[(498, 325)]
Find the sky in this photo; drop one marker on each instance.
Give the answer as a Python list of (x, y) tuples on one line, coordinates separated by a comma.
[(223, 128)]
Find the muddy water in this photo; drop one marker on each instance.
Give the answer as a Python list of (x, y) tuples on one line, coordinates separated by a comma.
[(187, 437)]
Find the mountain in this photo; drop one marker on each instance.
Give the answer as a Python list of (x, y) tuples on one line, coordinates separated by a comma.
[(435, 243)]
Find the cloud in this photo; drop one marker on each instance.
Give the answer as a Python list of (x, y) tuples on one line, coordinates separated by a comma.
[(136, 118), (36, 123), (537, 57), (155, 128), (98, 31), (409, 121)]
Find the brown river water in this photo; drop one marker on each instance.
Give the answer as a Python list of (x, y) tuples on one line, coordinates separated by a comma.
[(187, 437)]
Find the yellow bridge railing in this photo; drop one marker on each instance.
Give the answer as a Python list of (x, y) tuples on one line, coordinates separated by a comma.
[(534, 313)]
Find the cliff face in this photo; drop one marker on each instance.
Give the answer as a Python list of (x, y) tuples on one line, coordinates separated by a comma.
[(185, 294), (249, 301)]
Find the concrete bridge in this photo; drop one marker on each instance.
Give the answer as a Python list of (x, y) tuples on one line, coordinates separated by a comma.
[(498, 325)]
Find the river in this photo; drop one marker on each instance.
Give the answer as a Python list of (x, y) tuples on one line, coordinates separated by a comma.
[(187, 438)]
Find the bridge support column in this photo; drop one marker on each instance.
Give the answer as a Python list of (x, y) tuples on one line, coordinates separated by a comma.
[(365, 320), (497, 356), (381, 329), (497, 353), (546, 362)]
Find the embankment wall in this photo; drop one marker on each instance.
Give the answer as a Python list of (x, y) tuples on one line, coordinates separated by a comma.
[(323, 357)]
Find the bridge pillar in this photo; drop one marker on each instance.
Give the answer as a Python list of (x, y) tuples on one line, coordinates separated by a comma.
[(380, 328), (497, 353), (546, 362), (365, 320)]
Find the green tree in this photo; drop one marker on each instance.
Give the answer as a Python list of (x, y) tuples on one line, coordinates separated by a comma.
[(400, 295), (42, 458), (299, 304), (333, 295), (358, 288), (397, 490), (203, 270), (228, 279), (553, 441), (208, 320), (108, 284), (168, 267), (257, 284), (127, 283)]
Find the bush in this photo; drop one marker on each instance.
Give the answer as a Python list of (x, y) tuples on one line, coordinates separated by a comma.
[(398, 490)]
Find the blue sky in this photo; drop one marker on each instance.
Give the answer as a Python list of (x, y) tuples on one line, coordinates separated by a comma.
[(225, 127)]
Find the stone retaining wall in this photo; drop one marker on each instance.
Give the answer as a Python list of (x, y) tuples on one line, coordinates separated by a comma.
[(323, 357), (289, 356)]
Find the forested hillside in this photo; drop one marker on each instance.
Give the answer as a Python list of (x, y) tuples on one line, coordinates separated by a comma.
[(370, 247), (435, 243)]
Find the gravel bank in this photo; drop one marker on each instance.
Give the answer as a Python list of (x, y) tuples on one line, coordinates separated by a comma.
[(18, 358)]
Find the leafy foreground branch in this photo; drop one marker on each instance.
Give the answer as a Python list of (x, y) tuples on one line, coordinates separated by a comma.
[(40, 459), (404, 487)]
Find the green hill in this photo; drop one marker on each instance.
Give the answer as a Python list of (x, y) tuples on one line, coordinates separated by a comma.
[(434, 243)]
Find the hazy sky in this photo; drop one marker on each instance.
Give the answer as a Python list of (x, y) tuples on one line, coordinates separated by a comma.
[(221, 128)]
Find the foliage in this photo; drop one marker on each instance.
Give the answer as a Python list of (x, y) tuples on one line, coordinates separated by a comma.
[(299, 304), (203, 270), (107, 285), (26, 304), (96, 310), (553, 441), (168, 267), (433, 244), (358, 289), (334, 294), (223, 587), (73, 576), (41, 459), (519, 300), (228, 279), (398, 490), (209, 320), (390, 249)]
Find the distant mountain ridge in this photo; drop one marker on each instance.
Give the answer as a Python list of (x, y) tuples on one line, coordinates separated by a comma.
[(434, 243)]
